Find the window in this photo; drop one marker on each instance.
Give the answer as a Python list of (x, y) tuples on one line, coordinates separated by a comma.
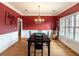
[(67, 21), (77, 34), (77, 20), (62, 27), (69, 26), (77, 28), (71, 21), (71, 33)]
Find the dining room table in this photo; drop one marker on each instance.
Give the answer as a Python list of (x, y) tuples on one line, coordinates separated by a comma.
[(45, 39)]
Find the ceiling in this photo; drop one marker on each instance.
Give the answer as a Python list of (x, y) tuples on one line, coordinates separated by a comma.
[(46, 8)]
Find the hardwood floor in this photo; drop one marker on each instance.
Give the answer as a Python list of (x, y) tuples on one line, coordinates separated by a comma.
[(20, 49)]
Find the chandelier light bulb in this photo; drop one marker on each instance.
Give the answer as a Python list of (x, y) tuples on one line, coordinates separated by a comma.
[(43, 20), (35, 20)]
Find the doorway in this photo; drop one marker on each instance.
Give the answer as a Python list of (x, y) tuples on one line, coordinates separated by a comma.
[(19, 28)]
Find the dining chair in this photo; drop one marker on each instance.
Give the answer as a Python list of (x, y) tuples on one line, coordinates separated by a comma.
[(38, 44), (48, 33), (30, 33), (45, 44), (39, 31)]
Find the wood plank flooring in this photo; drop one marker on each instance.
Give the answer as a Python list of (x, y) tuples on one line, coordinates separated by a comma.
[(21, 48)]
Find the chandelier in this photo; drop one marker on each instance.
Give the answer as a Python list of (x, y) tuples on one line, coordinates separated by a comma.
[(39, 19)]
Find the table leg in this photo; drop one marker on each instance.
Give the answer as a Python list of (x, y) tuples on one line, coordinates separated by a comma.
[(48, 48), (28, 48), (42, 53), (42, 50)]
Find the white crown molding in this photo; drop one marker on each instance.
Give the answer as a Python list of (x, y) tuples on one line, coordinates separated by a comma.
[(42, 14), (8, 5), (67, 8), (34, 14)]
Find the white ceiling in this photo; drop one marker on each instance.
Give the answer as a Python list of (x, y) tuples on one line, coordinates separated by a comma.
[(46, 8)]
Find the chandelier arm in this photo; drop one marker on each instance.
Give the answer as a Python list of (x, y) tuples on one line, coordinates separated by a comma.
[(39, 11), (39, 19)]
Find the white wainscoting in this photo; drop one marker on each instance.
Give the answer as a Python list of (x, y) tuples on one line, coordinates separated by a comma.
[(73, 44), (7, 40), (25, 33)]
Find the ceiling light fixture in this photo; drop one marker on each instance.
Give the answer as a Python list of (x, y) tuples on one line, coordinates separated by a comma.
[(39, 19), (26, 10)]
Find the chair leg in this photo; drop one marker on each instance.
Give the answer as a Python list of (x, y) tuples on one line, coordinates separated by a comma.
[(42, 50), (34, 52)]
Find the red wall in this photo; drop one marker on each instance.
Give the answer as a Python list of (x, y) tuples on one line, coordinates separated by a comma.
[(71, 10), (28, 23), (50, 21), (3, 27)]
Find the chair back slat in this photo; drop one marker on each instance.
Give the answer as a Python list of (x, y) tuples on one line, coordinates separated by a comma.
[(38, 41)]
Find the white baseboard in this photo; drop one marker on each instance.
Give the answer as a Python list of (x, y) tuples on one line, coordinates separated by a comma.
[(71, 43), (7, 40)]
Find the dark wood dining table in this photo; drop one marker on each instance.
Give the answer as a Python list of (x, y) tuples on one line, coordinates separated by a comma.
[(46, 39)]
